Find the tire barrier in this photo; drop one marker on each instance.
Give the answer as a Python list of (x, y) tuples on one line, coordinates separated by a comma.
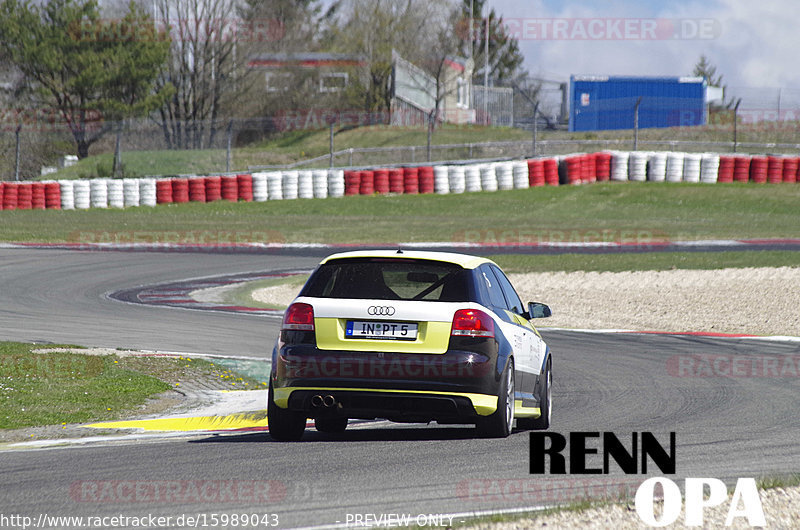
[(180, 190), (52, 195), (82, 193), (275, 185), (305, 184), (116, 194), (148, 192), (456, 179), (197, 189), (2, 187), (440, 179), (67, 194), (691, 167), (674, 169), (164, 191), (426, 179), (213, 189), (290, 182), (410, 180), (260, 187), (657, 167), (130, 192), (244, 186), (758, 169), (98, 193), (336, 182)]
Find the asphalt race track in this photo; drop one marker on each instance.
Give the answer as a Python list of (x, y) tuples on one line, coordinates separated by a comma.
[(726, 427)]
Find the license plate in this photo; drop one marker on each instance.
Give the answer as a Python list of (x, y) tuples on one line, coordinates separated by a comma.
[(358, 329)]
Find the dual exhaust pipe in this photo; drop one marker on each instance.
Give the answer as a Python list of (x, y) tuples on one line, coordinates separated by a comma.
[(318, 401)]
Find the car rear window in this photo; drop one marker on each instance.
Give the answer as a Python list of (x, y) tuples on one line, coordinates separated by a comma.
[(389, 279)]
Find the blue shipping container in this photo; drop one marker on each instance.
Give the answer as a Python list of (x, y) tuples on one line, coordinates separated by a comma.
[(601, 103)]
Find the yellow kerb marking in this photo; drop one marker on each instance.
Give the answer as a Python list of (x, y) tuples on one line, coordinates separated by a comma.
[(200, 423)]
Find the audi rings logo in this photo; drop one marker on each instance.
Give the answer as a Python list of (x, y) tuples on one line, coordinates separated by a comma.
[(383, 310)]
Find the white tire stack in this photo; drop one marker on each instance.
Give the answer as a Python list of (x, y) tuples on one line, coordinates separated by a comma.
[(116, 194), (519, 169), (441, 180), (130, 192), (657, 170), (691, 167), (82, 192), (335, 182), (275, 185), (290, 184), (260, 190), (709, 168), (320, 178), (67, 194), (98, 190), (472, 177), (619, 165), (488, 177), (674, 171), (147, 192), (504, 171), (637, 166), (305, 184), (457, 181)]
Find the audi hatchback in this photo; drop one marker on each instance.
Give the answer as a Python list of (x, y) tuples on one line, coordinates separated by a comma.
[(409, 336)]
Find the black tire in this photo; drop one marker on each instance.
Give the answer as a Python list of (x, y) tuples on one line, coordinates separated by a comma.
[(284, 425), (546, 405), (500, 423), (331, 425)]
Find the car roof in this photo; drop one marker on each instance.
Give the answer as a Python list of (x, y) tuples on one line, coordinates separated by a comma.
[(464, 260)]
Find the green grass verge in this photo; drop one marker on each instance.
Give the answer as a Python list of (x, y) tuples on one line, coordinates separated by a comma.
[(55, 387), (656, 261), (242, 294), (638, 212)]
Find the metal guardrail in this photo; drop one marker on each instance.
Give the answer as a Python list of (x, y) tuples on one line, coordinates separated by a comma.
[(360, 156)]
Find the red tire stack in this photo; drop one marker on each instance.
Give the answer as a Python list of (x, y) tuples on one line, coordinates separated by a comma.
[(551, 171), (163, 191), (52, 196), (535, 172), (589, 168), (24, 196), (427, 181), (396, 180), (382, 181), (758, 169), (2, 187), (741, 169), (774, 169), (410, 180), (230, 188), (603, 166), (244, 184), (197, 189), (213, 188), (366, 184), (790, 165), (9, 196), (726, 169), (180, 190), (352, 182), (37, 197), (574, 169)]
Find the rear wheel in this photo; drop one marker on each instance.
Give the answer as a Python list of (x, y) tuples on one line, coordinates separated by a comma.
[(331, 425), (500, 423), (545, 405), (284, 425)]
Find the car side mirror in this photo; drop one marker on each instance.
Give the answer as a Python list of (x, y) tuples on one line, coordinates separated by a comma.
[(538, 310)]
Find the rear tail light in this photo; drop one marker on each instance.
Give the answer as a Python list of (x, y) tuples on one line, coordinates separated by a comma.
[(299, 316), (472, 323)]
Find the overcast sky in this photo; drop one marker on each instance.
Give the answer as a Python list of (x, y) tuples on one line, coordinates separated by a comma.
[(753, 43)]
